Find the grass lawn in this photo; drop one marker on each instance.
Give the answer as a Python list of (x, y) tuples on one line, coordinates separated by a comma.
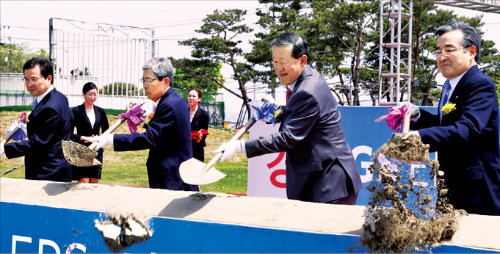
[(129, 168)]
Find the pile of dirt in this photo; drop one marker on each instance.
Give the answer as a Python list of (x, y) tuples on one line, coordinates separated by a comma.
[(404, 215)]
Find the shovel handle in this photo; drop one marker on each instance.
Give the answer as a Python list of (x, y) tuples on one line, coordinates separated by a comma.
[(237, 136), (109, 131), (406, 123)]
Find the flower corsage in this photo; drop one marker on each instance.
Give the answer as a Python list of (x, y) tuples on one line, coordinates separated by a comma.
[(448, 108), (148, 119)]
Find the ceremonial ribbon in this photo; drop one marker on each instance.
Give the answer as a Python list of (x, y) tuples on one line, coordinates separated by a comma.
[(198, 135), (267, 111), (134, 117), (395, 118)]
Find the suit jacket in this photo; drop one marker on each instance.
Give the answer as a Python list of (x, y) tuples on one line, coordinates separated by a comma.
[(467, 143), (320, 166), (168, 138), (83, 127), (200, 121), (48, 124), (82, 122)]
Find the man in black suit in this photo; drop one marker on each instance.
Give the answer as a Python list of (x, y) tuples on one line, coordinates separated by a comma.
[(48, 124), (464, 132), (320, 166), (168, 134)]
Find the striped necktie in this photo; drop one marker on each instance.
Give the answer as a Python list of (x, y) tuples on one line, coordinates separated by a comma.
[(445, 95), (35, 103)]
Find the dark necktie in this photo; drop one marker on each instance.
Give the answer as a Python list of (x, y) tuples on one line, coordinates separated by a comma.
[(35, 102), (288, 94), (445, 95)]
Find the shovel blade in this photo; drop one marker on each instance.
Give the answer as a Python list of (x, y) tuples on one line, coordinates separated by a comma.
[(79, 155), (193, 171)]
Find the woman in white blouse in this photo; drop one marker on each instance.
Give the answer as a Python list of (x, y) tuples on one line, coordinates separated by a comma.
[(89, 121)]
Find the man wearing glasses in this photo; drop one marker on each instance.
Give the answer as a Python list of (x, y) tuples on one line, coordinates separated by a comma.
[(48, 124), (465, 131), (320, 166), (168, 134)]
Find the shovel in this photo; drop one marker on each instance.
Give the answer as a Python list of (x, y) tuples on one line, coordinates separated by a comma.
[(196, 172), (82, 156), (4, 141), (10, 135)]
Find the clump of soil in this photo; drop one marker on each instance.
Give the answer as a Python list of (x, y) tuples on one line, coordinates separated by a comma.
[(406, 149), (404, 215), (121, 232)]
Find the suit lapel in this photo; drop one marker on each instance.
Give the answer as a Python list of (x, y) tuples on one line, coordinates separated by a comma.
[(97, 117), (83, 115)]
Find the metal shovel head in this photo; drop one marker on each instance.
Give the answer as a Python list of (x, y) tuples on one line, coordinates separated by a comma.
[(79, 155), (194, 172)]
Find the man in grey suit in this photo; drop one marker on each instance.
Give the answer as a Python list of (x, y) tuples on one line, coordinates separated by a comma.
[(320, 166)]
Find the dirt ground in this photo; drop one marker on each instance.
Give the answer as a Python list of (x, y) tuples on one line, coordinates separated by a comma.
[(402, 217)]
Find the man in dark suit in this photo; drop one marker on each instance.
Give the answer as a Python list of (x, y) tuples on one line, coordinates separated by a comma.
[(320, 166), (168, 134), (465, 131), (48, 124)]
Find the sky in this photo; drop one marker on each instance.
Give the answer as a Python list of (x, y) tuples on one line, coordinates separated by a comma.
[(28, 21)]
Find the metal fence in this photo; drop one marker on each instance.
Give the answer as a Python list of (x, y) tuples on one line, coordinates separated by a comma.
[(111, 56)]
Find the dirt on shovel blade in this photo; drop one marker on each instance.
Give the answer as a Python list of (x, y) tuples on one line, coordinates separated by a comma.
[(405, 214), (78, 154)]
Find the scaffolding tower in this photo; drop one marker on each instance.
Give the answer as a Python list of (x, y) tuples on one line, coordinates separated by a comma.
[(492, 6), (395, 81)]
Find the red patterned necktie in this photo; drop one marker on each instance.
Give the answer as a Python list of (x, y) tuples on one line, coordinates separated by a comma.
[(288, 94)]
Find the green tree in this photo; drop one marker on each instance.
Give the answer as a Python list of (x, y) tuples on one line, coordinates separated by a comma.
[(121, 88), (13, 57), (203, 74), (336, 31), (275, 17), (222, 30)]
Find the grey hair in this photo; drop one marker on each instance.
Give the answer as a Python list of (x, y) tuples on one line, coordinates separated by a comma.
[(471, 36), (299, 42), (162, 67)]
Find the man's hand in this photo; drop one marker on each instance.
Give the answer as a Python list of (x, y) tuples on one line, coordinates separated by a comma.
[(230, 148), (2, 150), (104, 140), (412, 110)]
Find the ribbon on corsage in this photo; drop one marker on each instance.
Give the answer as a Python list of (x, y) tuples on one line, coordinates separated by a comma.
[(134, 116), (395, 118), (198, 135)]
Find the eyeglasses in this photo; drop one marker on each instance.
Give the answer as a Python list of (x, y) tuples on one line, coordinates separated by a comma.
[(282, 63), (31, 80), (447, 51), (147, 81)]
